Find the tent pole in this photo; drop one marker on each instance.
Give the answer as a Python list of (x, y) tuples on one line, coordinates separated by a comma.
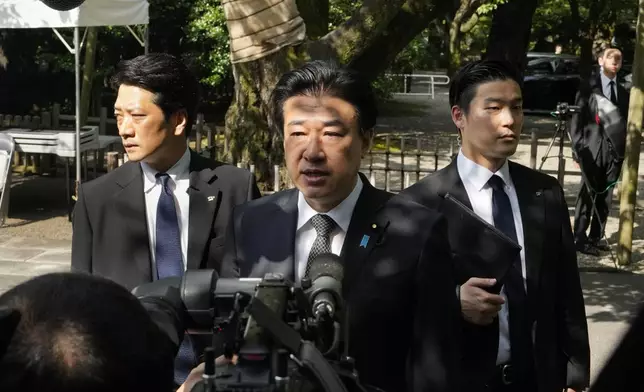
[(147, 39), (78, 97)]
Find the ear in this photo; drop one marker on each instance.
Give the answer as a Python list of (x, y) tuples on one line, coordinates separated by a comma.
[(458, 117), (367, 140), (179, 122)]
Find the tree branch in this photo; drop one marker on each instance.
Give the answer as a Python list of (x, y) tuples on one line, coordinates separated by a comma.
[(374, 35)]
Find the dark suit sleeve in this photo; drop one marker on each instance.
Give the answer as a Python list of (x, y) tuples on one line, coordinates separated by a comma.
[(578, 121), (253, 190), (81, 236), (229, 262), (570, 307), (434, 358)]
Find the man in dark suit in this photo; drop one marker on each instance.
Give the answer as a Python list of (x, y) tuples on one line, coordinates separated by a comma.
[(532, 335), (398, 280), (167, 208), (598, 133)]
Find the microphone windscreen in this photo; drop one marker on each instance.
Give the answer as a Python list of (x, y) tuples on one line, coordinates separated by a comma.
[(326, 264)]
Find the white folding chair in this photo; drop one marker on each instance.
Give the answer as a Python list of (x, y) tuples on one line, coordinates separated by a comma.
[(7, 147)]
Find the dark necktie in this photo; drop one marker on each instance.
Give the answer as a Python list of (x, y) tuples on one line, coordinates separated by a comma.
[(613, 95), (323, 225), (169, 262), (520, 326)]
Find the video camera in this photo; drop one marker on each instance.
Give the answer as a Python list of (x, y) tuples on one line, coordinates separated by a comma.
[(564, 110), (286, 337)]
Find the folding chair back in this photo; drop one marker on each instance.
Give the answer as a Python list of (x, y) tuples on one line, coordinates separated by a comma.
[(7, 148)]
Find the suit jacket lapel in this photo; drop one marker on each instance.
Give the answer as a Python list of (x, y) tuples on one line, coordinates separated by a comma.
[(365, 231), (130, 204), (205, 199), (453, 184), (533, 215), (280, 233)]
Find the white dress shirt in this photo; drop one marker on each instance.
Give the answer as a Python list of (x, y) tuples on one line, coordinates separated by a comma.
[(179, 182), (606, 85), (305, 233), (475, 178)]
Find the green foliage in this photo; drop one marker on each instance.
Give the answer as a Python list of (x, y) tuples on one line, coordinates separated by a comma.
[(208, 34)]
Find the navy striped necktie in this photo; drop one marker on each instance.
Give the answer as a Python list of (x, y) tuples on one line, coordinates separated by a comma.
[(169, 262)]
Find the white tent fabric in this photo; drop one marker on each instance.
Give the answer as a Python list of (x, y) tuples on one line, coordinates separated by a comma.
[(32, 14)]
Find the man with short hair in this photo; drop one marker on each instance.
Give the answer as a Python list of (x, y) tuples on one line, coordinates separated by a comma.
[(530, 334), (167, 208), (398, 280), (598, 134), (79, 333)]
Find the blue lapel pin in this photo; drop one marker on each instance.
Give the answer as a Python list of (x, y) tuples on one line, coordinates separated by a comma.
[(364, 241)]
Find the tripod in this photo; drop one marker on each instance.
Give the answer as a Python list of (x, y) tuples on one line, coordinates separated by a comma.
[(563, 112)]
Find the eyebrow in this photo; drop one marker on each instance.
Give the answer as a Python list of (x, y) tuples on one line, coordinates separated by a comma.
[(500, 100), (329, 123)]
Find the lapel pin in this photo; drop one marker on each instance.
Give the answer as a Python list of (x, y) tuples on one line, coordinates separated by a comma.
[(364, 241), (538, 193), (374, 226), (211, 198)]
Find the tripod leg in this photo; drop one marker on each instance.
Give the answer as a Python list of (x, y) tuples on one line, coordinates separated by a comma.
[(546, 155)]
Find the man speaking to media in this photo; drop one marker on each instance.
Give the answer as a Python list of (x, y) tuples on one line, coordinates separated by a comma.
[(398, 281)]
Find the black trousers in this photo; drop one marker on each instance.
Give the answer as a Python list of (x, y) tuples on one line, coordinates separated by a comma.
[(584, 213)]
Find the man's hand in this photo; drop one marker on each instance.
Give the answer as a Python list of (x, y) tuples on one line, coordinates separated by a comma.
[(477, 305), (196, 374)]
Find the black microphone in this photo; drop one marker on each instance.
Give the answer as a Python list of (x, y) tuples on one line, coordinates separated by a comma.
[(325, 294)]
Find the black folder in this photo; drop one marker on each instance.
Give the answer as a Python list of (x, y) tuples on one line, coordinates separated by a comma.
[(480, 250)]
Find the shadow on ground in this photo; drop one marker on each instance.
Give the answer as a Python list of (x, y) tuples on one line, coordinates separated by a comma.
[(612, 297), (35, 198)]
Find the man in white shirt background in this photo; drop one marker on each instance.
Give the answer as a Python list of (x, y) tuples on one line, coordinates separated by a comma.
[(532, 336), (166, 209), (599, 148)]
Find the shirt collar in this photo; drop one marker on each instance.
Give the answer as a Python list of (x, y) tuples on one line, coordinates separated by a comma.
[(341, 214), (606, 80), (477, 175), (178, 171)]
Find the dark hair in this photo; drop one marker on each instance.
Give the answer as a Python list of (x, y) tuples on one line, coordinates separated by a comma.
[(82, 333), (318, 78), (464, 84), (174, 86)]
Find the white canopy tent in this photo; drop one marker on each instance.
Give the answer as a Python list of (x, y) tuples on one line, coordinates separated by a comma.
[(33, 14)]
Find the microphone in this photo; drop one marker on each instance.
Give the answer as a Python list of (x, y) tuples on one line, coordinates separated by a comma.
[(325, 294)]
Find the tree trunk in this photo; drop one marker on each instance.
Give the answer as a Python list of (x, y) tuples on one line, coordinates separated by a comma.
[(88, 73), (510, 32), (464, 12), (628, 190), (247, 128), (316, 16), (368, 42)]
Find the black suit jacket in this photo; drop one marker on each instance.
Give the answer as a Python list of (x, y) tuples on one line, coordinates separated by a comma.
[(110, 236), (560, 332), (599, 149), (399, 287)]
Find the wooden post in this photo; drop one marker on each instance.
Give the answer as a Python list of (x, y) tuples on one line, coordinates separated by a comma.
[(436, 142), (628, 197), (418, 157), (276, 178), (46, 120), (387, 167), (55, 117), (402, 162), (112, 160), (534, 146), (199, 132)]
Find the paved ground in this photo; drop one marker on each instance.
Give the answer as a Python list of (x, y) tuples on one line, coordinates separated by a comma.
[(37, 237)]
